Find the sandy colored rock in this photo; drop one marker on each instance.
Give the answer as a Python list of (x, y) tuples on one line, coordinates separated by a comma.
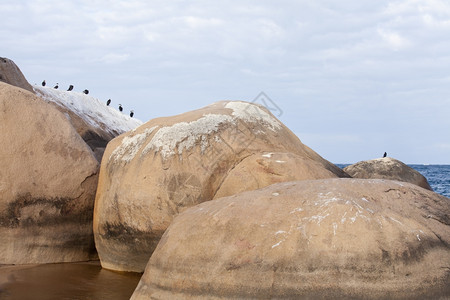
[(11, 74), (387, 168), (168, 164), (317, 239), (48, 180)]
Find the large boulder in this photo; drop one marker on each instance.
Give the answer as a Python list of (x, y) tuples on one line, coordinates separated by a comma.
[(317, 239), (11, 74), (168, 164), (387, 168), (48, 180), (94, 121)]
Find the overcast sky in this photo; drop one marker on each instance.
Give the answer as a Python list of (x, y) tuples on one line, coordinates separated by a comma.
[(351, 78)]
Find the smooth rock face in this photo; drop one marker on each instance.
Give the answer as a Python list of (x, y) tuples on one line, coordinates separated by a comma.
[(387, 168), (152, 173), (11, 74), (48, 180), (315, 239)]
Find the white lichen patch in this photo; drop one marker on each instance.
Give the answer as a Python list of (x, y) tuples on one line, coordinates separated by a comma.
[(130, 146), (250, 112), (184, 135)]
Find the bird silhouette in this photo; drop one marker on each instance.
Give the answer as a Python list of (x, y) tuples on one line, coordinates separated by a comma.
[(108, 102), (131, 113), (56, 86), (86, 92), (70, 88), (43, 83), (120, 107), (385, 154)]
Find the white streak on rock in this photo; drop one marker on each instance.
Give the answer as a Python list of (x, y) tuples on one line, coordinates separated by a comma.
[(184, 135), (296, 210), (249, 112), (277, 244), (130, 146)]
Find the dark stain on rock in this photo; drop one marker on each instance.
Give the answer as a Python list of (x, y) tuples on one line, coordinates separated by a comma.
[(48, 212), (94, 140)]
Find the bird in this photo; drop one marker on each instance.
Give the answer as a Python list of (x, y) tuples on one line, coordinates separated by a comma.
[(385, 154), (70, 88), (108, 102), (131, 113), (120, 107), (43, 83), (86, 92), (56, 86)]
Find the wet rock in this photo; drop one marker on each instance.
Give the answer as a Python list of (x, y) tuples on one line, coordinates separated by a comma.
[(317, 239), (48, 180), (387, 168), (152, 173)]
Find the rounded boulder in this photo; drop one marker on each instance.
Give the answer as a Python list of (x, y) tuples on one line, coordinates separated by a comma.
[(315, 239), (48, 180), (158, 170), (387, 168)]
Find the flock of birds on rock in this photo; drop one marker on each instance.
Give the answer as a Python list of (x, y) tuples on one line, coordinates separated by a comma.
[(87, 92)]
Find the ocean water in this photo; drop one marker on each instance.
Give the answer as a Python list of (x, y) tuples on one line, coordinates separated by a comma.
[(438, 176)]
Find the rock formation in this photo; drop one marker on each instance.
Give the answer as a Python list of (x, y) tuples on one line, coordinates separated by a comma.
[(168, 164), (96, 123), (11, 74), (48, 180), (315, 239), (387, 168)]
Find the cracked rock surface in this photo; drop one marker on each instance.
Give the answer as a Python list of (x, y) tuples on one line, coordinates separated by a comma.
[(48, 180), (167, 165), (313, 239)]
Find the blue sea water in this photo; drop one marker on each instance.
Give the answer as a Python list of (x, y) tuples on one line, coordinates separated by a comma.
[(438, 176)]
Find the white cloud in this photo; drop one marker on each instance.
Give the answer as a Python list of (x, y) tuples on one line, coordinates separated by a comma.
[(394, 40), (111, 58)]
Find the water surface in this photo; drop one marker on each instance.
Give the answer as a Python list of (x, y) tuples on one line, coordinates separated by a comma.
[(67, 281)]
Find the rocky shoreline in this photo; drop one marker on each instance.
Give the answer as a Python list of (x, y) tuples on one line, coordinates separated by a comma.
[(220, 202)]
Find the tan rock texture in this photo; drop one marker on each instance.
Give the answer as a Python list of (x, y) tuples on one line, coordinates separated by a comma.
[(314, 239), (48, 180), (387, 168), (11, 74), (168, 164)]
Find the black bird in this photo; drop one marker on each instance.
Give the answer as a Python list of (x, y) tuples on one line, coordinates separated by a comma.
[(86, 92), (120, 107), (131, 113), (108, 102), (385, 154), (43, 83), (70, 88), (56, 86)]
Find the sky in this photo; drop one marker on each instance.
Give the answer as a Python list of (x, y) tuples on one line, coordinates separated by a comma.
[(351, 78)]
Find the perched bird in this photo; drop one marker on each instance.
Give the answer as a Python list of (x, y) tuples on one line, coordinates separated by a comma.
[(70, 88), (120, 107), (131, 113), (86, 92), (56, 86), (108, 102), (385, 154), (43, 83)]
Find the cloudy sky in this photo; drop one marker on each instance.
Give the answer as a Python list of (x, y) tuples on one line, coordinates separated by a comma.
[(352, 78)]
